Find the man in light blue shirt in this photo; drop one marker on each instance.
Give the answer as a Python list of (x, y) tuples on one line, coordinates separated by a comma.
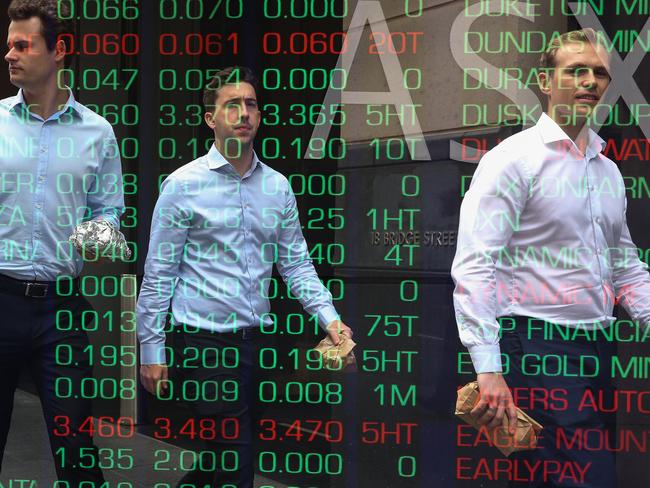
[(220, 223), (57, 172), (59, 166)]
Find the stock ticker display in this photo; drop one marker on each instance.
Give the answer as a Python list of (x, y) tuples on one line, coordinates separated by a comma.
[(377, 113)]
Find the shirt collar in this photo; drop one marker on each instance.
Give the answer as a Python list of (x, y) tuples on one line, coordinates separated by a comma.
[(70, 104), (216, 160), (552, 132)]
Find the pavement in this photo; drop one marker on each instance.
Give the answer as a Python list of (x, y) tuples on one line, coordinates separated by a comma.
[(28, 461)]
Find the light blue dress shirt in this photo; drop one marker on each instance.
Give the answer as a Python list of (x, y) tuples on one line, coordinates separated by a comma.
[(54, 174), (214, 239)]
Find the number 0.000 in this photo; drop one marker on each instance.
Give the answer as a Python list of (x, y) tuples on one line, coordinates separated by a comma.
[(300, 9), (298, 462), (297, 392)]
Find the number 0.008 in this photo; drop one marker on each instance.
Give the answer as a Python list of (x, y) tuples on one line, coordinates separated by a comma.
[(104, 388), (297, 392), (298, 462)]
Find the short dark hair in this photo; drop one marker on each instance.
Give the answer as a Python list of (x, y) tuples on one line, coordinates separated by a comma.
[(227, 76), (55, 16)]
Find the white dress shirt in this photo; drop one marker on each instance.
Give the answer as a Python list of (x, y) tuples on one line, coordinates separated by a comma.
[(543, 233)]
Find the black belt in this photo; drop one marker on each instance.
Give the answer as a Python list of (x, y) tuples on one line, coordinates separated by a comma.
[(523, 322), (34, 289), (245, 333)]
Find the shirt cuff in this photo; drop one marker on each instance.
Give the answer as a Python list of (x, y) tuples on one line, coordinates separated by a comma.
[(153, 353), (110, 218), (486, 358), (327, 315)]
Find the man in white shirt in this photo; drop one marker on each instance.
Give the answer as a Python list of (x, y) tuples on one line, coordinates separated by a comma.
[(543, 253)]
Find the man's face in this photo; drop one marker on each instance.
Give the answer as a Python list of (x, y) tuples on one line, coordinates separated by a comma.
[(30, 63), (235, 117), (578, 81)]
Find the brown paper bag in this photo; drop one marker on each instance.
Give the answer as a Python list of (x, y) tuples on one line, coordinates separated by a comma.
[(335, 357), (526, 432)]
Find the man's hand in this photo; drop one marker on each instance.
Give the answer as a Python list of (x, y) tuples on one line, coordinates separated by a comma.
[(495, 402), (151, 375), (89, 252), (336, 327)]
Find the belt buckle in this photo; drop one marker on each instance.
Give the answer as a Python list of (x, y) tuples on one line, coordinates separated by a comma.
[(36, 290), (247, 333)]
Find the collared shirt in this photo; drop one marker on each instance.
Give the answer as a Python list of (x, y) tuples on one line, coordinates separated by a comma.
[(214, 239), (54, 174), (543, 233)]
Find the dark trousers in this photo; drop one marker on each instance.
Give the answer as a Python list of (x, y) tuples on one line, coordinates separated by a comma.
[(551, 391), (29, 337), (214, 373)]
